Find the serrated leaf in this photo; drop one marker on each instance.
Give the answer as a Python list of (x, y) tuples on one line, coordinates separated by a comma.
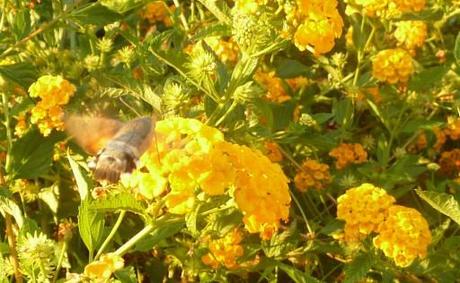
[(90, 225), (31, 155), (126, 275), (297, 275), (218, 29), (442, 202), (358, 268), (82, 185), (94, 14), (122, 201)]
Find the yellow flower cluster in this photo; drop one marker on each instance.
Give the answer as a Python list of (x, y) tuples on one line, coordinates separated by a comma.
[(157, 12), (317, 24), (21, 126), (411, 34), (384, 8), (226, 49), (392, 66), (101, 270), (189, 155), (225, 251), (450, 162), (273, 85), (347, 154), (404, 235), (249, 6), (363, 208), (54, 92), (312, 175), (273, 151)]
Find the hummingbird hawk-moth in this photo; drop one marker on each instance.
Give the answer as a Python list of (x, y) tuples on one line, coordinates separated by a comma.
[(117, 146)]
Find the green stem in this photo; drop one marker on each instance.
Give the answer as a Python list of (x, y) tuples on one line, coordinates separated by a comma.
[(60, 260), (229, 110), (9, 135), (304, 216), (212, 7), (2, 20), (182, 17), (129, 244), (115, 227)]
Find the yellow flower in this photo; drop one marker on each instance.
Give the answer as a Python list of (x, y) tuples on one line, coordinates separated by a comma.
[(450, 163), (149, 185), (312, 175), (102, 269), (408, 5), (157, 11), (453, 128), (392, 66), (225, 251), (318, 32), (363, 208), (21, 126), (404, 235), (226, 50), (273, 151), (373, 7), (248, 6), (440, 138), (273, 85), (54, 92), (411, 34), (348, 154)]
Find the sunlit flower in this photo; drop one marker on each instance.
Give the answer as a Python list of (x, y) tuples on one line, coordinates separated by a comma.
[(273, 85), (392, 66), (225, 251), (408, 5), (273, 151), (346, 154), (312, 175), (404, 235), (363, 208), (21, 126), (411, 34), (102, 269), (157, 11)]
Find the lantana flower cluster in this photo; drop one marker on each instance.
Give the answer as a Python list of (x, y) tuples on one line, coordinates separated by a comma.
[(317, 25), (191, 157), (346, 154), (388, 8), (274, 86), (101, 270), (402, 233), (312, 175), (225, 251), (54, 92)]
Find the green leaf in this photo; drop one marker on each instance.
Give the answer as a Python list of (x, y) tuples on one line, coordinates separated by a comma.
[(50, 196), (343, 111), (289, 68), (21, 27), (297, 275), (358, 268), (8, 206), (442, 202), (427, 78), (31, 155), (90, 225), (126, 275), (457, 48), (191, 219), (23, 74), (218, 29), (158, 235), (425, 15), (82, 184), (122, 201), (94, 14)]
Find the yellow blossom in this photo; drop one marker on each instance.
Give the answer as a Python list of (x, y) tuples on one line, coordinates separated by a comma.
[(225, 251), (273, 151), (408, 5), (373, 7), (363, 208), (392, 66), (248, 6), (348, 154), (149, 185), (312, 175), (102, 269), (273, 85), (157, 11), (404, 235), (21, 126), (411, 34), (453, 128)]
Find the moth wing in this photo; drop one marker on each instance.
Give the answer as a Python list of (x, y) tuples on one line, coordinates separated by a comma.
[(91, 133)]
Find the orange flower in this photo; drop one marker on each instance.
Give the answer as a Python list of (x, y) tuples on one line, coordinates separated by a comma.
[(312, 175), (348, 154)]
